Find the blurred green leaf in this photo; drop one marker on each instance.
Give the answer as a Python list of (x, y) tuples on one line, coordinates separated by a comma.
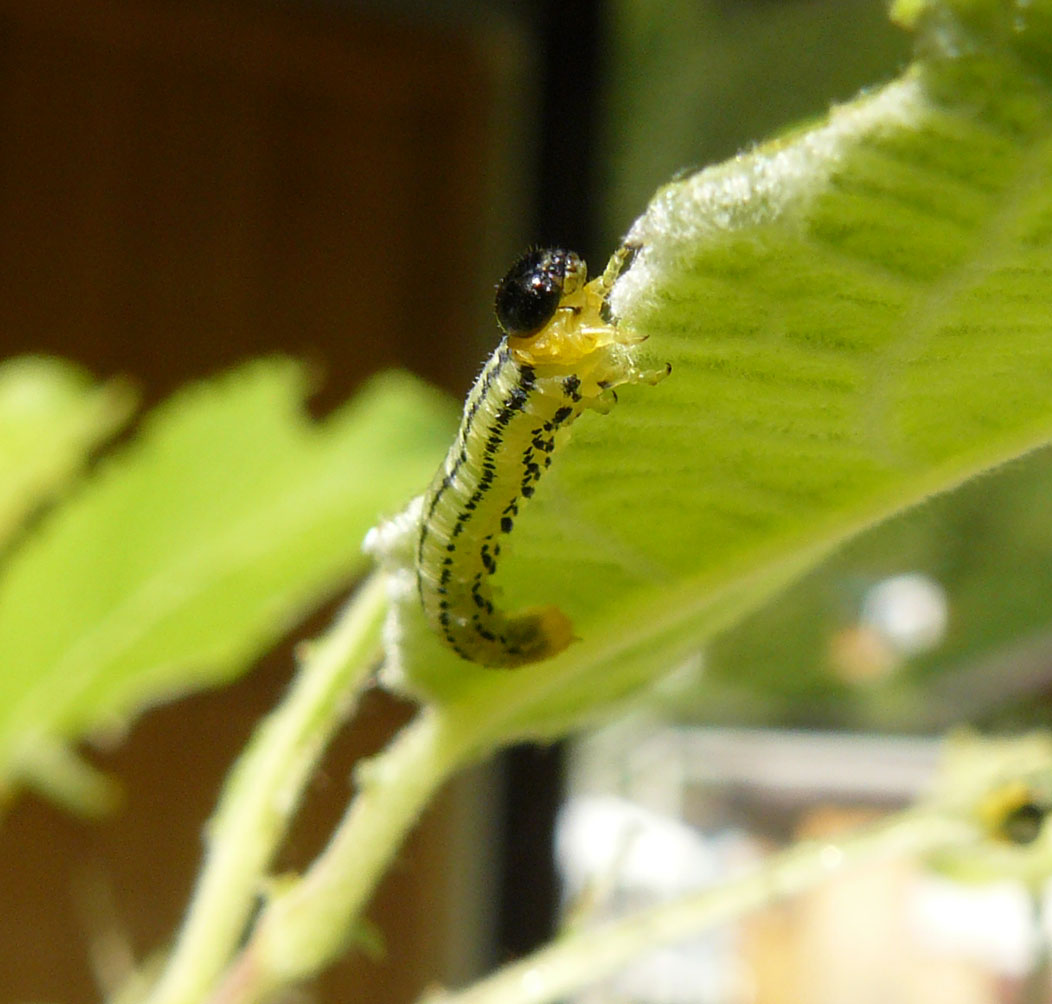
[(857, 315), (197, 546), (51, 417)]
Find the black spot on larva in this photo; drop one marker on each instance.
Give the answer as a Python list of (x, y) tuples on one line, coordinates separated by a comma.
[(517, 399)]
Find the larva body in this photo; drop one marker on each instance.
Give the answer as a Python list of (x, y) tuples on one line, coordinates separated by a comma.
[(558, 359)]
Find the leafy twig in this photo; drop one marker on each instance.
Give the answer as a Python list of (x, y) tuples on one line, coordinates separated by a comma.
[(309, 921), (262, 794), (579, 959)]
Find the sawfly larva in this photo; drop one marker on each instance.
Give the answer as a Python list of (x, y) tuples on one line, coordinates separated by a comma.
[(558, 357)]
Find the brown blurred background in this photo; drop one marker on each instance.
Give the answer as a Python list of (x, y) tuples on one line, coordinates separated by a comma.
[(187, 185)]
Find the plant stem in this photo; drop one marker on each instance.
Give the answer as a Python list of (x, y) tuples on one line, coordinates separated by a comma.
[(264, 789), (308, 923), (578, 960), (59, 774)]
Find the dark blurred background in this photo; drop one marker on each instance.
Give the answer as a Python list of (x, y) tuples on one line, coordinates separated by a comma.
[(184, 185)]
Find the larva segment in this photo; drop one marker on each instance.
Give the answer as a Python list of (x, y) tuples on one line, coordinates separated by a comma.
[(516, 417)]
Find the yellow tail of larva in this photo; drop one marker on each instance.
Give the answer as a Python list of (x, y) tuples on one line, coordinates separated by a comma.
[(532, 636)]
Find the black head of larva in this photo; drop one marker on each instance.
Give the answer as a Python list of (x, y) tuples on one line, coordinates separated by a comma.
[(529, 294)]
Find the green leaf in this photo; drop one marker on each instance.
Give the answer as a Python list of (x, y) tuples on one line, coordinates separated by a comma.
[(858, 315), (51, 417), (811, 657), (196, 547)]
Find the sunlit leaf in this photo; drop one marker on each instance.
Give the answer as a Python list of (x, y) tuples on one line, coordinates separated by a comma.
[(51, 417), (857, 316), (197, 546)]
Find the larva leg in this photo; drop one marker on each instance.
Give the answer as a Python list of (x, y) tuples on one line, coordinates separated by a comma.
[(603, 403), (616, 267), (654, 377)]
